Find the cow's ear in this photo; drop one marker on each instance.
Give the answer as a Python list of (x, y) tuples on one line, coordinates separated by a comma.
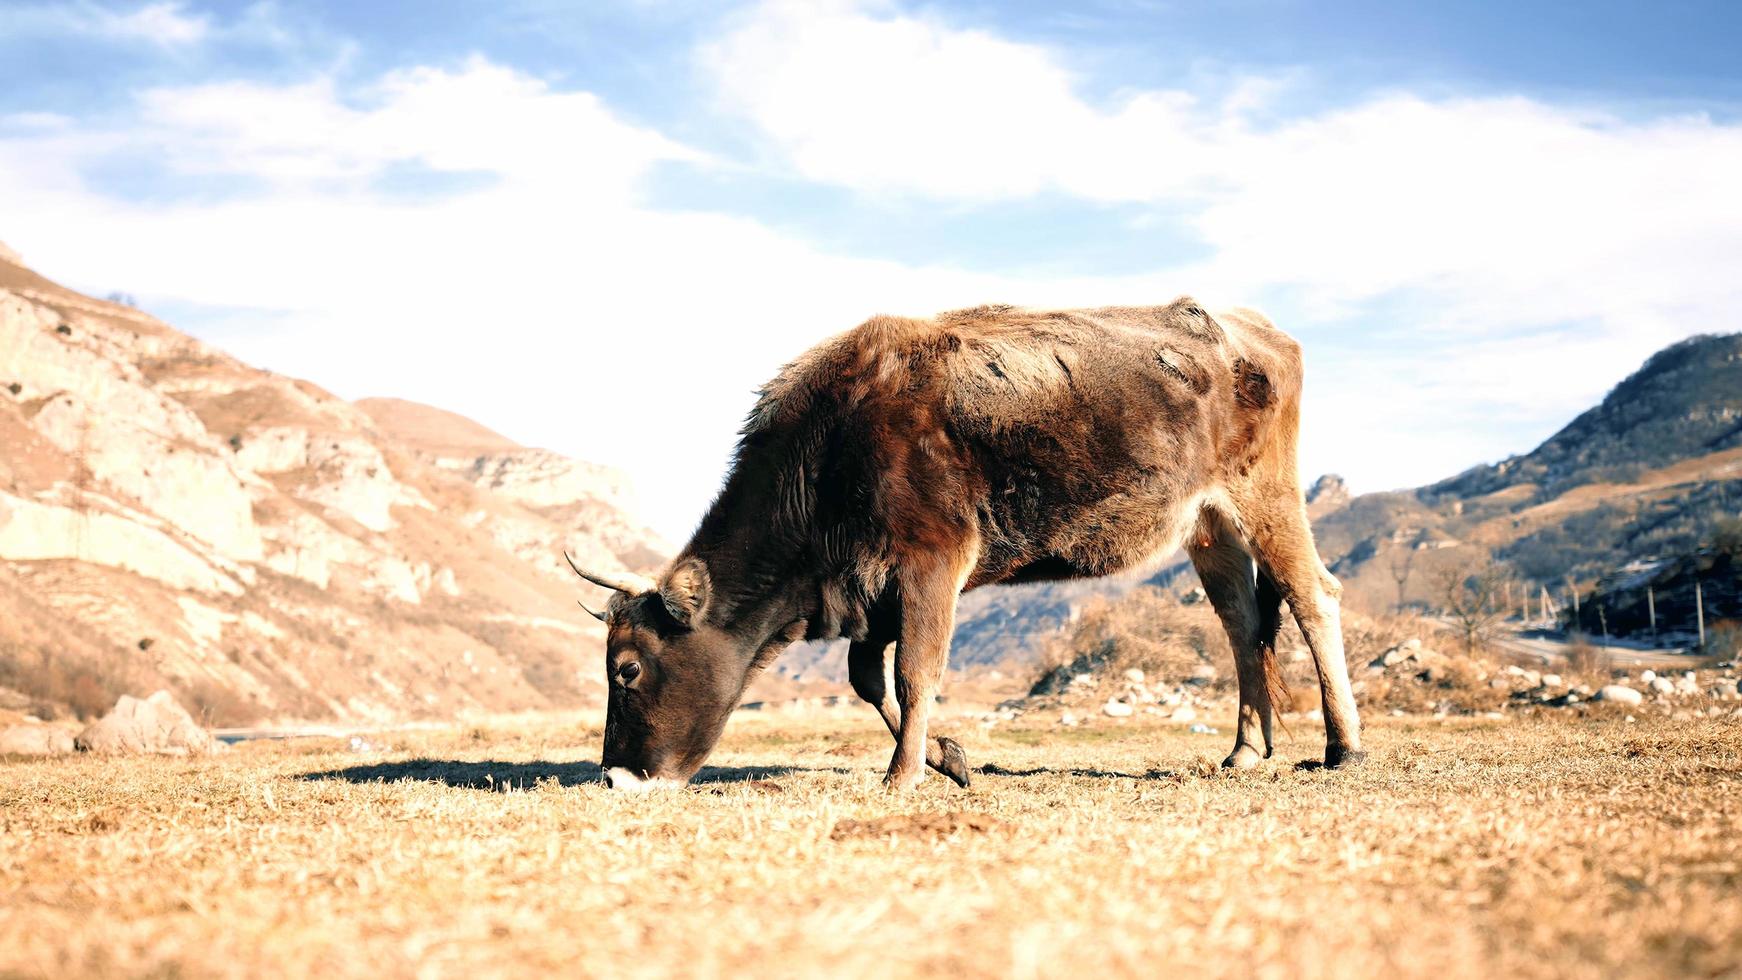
[(685, 591)]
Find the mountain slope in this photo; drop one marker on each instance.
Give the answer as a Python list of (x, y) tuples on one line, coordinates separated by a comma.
[(1651, 470), (1683, 403), (172, 516)]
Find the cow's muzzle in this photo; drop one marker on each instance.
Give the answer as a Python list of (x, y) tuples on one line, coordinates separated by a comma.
[(621, 779)]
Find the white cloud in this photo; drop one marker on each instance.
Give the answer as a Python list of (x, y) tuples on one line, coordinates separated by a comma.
[(160, 23), (548, 304), (910, 104), (163, 24), (1496, 222), (1529, 254)]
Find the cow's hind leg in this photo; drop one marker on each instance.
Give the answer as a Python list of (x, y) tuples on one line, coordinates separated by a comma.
[(867, 668), (1276, 522), (1251, 611)]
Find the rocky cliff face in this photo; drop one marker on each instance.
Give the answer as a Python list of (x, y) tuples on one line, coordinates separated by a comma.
[(1651, 471), (172, 516), (587, 504)]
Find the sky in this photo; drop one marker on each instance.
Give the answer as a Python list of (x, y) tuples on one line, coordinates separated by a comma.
[(598, 227)]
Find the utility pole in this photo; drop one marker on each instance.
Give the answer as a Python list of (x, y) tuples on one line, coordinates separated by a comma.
[(1700, 611), (1651, 606), (1574, 591), (1603, 618)]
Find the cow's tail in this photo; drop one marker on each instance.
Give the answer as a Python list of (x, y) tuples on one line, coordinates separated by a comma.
[(1269, 624)]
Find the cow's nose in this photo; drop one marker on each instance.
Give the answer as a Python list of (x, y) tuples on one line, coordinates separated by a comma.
[(608, 783)]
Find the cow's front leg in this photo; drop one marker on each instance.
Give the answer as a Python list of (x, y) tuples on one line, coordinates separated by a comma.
[(928, 614), (866, 667)]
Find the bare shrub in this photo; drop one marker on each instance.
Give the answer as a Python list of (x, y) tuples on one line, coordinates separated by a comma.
[(1723, 640), (1588, 662), (87, 689), (1472, 596), (216, 706), (1147, 629)]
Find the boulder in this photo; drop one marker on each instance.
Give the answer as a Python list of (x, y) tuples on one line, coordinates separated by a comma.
[(1661, 686), (35, 740), (1396, 655), (1619, 694), (1116, 709), (154, 725)]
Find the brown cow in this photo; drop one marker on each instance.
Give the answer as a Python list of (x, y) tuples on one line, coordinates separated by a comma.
[(894, 466)]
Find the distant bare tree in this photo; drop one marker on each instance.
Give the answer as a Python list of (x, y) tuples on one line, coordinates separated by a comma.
[(1402, 563), (1473, 596)]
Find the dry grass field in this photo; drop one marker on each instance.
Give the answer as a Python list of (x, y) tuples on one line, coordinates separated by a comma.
[(1557, 846)]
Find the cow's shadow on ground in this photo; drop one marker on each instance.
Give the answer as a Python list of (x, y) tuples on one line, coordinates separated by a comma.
[(1152, 775), (507, 776)]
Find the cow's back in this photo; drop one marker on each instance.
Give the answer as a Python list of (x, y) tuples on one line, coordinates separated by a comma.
[(1064, 443), (1091, 431)]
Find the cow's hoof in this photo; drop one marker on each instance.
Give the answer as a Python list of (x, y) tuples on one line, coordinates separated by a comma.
[(954, 763), (1337, 757), (1243, 757), (902, 782)]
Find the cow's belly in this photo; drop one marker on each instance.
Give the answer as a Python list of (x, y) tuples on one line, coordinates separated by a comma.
[(1120, 534), (1097, 483)]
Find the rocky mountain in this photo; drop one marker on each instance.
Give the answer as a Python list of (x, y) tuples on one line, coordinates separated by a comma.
[(172, 517), (1327, 493), (1683, 403), (1653, 470)]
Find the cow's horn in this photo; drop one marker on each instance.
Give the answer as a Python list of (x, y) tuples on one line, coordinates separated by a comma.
[(601, 617), (626, 583)]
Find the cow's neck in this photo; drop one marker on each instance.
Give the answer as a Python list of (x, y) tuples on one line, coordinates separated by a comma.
[(761, 589), (754, 542)]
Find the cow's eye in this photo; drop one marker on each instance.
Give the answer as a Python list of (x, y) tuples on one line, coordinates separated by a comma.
[(627, 673)]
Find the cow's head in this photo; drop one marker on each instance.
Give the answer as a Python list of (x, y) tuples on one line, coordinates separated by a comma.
[(673, 678)]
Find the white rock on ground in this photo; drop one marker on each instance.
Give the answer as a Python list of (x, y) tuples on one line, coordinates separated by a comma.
[(1620, 694), (1116, 709), (154, 725), (35, 740), (1662, 685)]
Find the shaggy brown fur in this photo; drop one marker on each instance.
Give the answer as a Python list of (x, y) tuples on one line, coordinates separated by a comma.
[(892, 467)]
